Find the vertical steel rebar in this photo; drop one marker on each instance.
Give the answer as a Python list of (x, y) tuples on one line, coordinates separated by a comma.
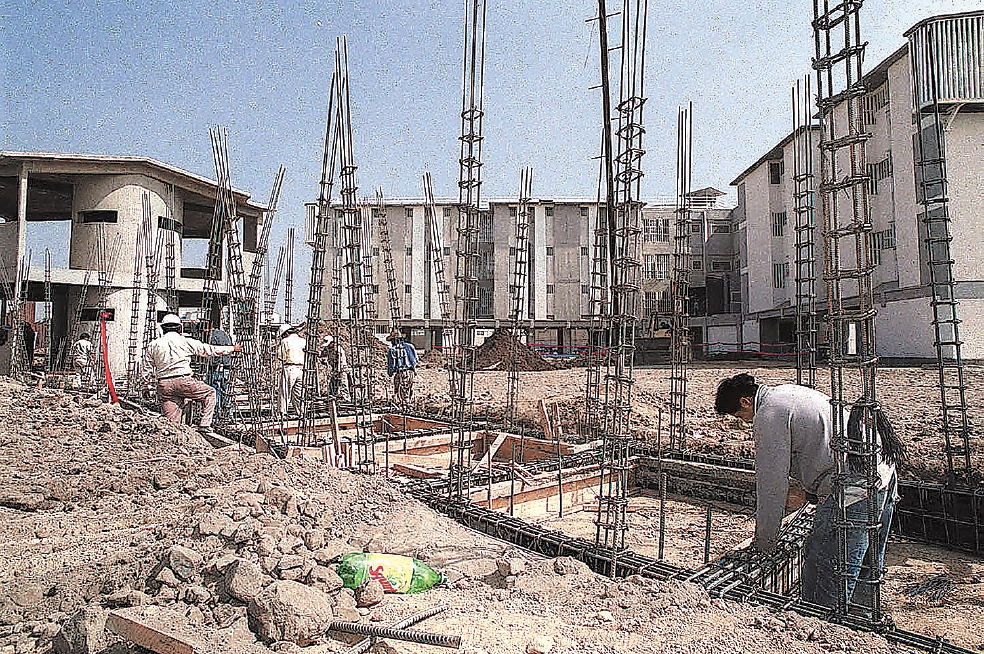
[(289, 278), (680, 348), (49, 355), (803, 207), (435, 230), (518, 289)]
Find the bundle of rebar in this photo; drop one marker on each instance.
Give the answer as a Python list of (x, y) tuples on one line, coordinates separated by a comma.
[(803, 207)]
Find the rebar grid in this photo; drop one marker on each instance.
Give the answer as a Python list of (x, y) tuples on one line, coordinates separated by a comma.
[(21, 276), (435, 229), (624, 242), (680, 350), (170, 258), (107, 269), (933, 197), (466, 292), (518, 290), (803, 207), (241, 310), (843, 191), (289, 278), (263, 244), (152, 264), (133, 341), (386, 247), (368, 270)]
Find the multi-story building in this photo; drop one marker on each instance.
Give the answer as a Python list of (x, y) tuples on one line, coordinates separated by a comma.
[(76, 206), (765, 214), (558, 274)]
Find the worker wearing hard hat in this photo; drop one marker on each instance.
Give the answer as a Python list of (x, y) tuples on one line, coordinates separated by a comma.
[(291, 355), (168, 358), (337, 368)]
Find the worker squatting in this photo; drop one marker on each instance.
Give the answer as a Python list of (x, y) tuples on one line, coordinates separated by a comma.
[(167, 361)]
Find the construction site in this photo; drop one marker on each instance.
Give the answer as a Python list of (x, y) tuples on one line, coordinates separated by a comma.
[(518, 393)]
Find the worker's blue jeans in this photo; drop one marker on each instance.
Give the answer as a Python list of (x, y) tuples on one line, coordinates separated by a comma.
[(819, 574), (217, 378)]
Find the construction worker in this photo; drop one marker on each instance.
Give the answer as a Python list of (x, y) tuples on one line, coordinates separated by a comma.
[(333, 354), (290, 352), (81, 356), (793, 429), (217, 371), (401, 365), (168, 358)]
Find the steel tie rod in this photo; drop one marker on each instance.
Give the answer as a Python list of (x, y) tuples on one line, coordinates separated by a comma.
[(364, 644), (410, 635)]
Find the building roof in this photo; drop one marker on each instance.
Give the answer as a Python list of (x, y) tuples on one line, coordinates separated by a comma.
[(774, 154), (52, 161), (933, 19)]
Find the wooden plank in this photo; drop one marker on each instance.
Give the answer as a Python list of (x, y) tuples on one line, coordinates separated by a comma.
[(490, 453), (417, 460), (151, 632), (415, 471), (545, 421)]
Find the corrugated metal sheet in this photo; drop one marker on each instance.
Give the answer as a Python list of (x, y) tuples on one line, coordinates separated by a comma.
[(948, 52)]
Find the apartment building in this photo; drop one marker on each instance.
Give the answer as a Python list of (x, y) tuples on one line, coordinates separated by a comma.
[(75, 205), (558, 273), (764, 218)]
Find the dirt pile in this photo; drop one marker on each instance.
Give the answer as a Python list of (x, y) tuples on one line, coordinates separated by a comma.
[(493, 354), (109, 510)]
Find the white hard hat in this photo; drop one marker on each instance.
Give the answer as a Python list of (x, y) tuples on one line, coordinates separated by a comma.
[(170, 319), (328, 340), (284, 328)]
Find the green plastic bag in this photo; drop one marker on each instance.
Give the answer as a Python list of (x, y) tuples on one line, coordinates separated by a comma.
[(396, 574)]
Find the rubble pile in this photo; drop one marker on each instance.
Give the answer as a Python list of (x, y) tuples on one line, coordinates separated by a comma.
[(117, 525)]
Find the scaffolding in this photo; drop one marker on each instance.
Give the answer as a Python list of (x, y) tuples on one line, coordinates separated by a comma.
[(680, 347), (803, 207), (843, 192), (933, 198), (624, 234), (518, 290), (466, 287)]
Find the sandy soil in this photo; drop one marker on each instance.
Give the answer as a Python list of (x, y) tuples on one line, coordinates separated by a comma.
[(95, 497)]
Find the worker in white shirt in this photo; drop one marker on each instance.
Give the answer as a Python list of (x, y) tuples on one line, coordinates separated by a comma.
[(290, 352), (81, 356), (168, 358)]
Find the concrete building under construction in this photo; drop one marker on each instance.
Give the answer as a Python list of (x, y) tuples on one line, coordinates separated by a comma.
[(87, 211)]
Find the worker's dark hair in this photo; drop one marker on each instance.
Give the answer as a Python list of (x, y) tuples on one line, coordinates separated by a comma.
[(84, 335), (893, 450), (167, 328), (731, 390)]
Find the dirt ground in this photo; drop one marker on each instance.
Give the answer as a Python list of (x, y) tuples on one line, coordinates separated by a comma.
[(97, 501), (909, 395)]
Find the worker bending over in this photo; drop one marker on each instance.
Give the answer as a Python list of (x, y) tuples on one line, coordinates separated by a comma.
[(793, 429), (401, 365), (168, 358), (290, 352)]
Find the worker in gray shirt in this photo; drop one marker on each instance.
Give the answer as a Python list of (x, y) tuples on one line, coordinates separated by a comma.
[(792, 428)]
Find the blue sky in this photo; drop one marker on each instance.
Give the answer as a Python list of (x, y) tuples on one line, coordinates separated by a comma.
[(149, 78)]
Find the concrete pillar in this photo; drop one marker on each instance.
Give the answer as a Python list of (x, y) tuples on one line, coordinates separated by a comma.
[(21, 224)]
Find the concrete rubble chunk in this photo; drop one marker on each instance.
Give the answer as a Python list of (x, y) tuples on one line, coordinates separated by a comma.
[(327, 578), (540, 645), (184, 562), (243, 580), (278, 496), (287, 610), (369, 593), (215, 523), (511, 566), (83, 633)]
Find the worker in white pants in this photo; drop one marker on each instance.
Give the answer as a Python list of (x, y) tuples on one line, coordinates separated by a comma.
[(291, 355)]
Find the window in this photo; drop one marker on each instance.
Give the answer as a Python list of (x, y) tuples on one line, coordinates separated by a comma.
[(663, 231), (720, 229), (778, 223), (410, 251), (447, 251), (650, 302), (409, 212), (720, 266), (485, 302), (375, 289), (650, 228), (780, 271), (485, 228), (877, 172), (871, 103), (662, 266), (584, 212), (696, 227), (584, 251), (168, 223), (447, 212), (649, 266), (696, 264), (548, 211), (883, 240), (550, 288), (98, 216), (550, 251), (775, 172), (512, 212), (375, 250), (512, 251), (408, 289), (665, 302), (585, 289)]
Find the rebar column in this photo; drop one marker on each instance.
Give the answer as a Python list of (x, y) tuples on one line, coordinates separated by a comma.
[(435, 230), (933, 197), (846, 229), (466, 292), (386, 247), (803, 207), (49, 357), (133, 341), (518, 290), (289, 278), (624, 243), (680, 347)]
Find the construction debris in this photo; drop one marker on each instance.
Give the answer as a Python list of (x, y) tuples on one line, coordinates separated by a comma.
[(493, 354)]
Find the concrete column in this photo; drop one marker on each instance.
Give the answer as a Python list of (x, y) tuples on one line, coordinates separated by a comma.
[(21, 224)]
